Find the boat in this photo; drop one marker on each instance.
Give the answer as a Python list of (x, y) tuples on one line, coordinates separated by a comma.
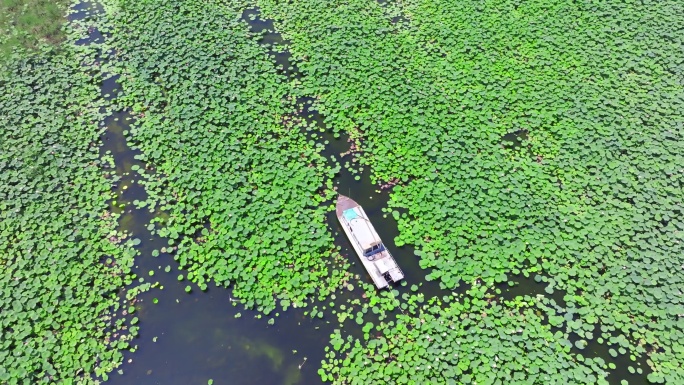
[(375, 257)]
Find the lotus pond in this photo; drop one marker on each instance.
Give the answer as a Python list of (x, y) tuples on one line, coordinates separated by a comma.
[(168, 173)]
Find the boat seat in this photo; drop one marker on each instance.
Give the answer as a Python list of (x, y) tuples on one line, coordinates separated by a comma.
[(396, 275), (384, 265)]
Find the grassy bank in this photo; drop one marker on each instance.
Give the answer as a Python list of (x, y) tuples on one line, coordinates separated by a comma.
[(26, 24)]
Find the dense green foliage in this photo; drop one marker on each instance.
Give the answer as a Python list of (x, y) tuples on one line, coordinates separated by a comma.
[(587, 199), (62, 261), (242, 184), (465, 341), (592, 194), (28, 23)]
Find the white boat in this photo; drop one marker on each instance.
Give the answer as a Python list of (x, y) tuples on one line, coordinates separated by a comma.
[(375, 257)]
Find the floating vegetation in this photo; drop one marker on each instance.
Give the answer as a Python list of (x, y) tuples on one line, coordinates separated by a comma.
[(62, 262), (592, 195), (468, 340), (243, 186), (536, 139)]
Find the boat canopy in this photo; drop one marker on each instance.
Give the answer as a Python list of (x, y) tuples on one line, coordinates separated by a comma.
[(362, 231)]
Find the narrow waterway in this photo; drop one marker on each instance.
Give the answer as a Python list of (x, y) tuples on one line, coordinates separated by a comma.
[(191, 338)]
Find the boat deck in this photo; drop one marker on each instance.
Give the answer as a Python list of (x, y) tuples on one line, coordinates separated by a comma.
[(382, 265)]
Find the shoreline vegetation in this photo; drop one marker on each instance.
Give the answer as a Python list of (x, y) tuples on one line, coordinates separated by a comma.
[(585, 200), (64, 267), (28, 24)]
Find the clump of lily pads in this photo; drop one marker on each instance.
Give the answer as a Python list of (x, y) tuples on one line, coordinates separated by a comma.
[(243, 187), (467, 340)]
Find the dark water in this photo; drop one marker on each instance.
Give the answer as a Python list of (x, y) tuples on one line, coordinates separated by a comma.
[(192, 338)]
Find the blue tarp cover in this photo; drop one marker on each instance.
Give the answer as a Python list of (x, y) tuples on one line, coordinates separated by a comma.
[(350, 214)]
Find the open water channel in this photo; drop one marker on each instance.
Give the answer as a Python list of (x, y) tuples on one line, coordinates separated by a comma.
[(190, 338)]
